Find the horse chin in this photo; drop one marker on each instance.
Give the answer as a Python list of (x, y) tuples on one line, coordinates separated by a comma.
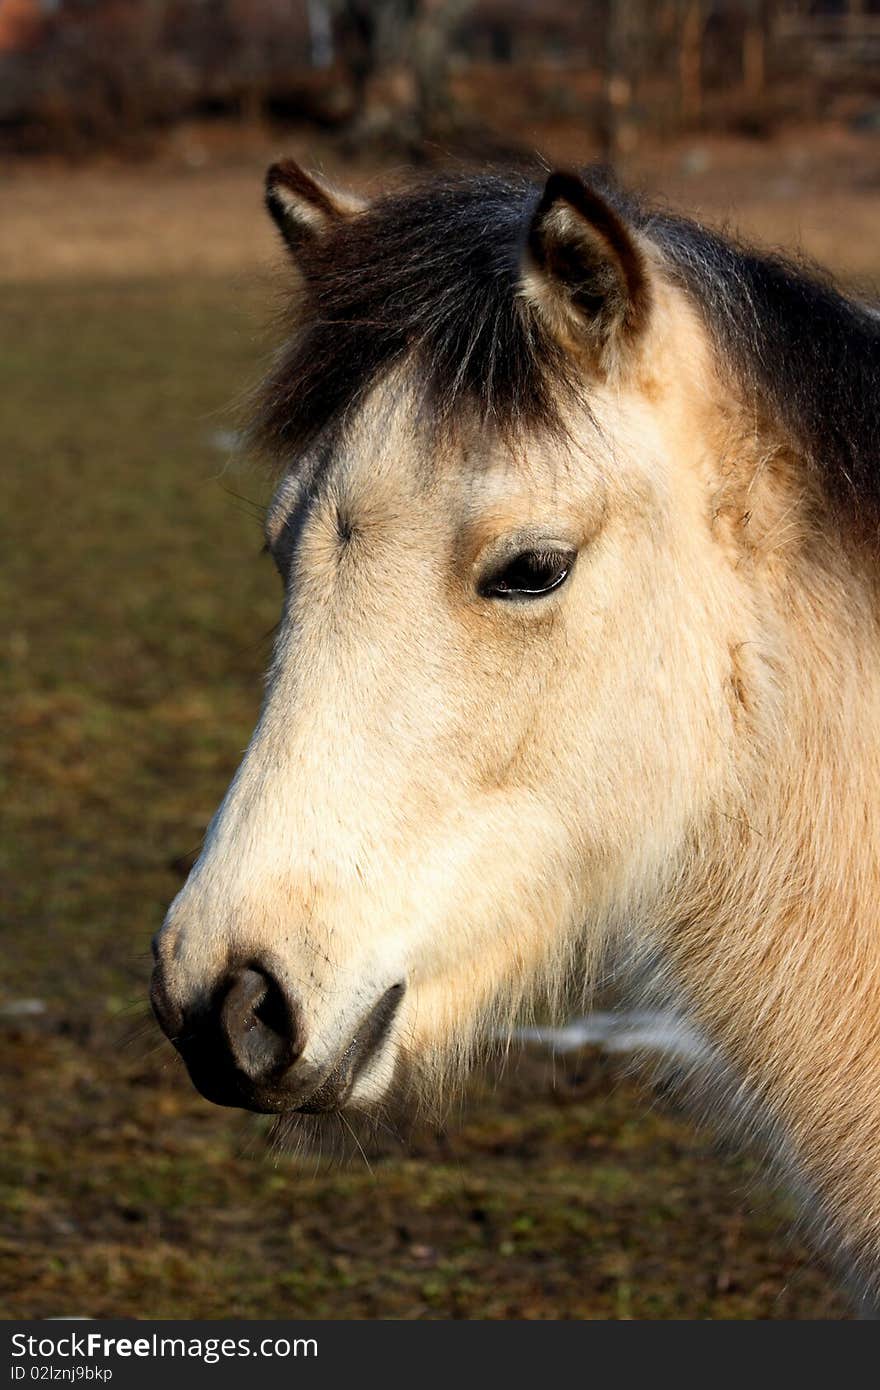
[(377, 1113)]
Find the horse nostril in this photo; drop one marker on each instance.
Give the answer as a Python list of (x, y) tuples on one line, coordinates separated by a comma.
[(261, 1024)]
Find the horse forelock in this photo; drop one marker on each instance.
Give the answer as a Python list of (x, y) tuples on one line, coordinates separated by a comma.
[(428, 279)]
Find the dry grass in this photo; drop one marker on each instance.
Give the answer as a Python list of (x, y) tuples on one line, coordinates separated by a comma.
[(137, 602), (197, 210)]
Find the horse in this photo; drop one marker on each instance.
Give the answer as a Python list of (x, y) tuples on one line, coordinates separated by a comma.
[(577, 517)]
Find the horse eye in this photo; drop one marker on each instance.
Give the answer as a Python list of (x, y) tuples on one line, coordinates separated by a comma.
[(530, 574)]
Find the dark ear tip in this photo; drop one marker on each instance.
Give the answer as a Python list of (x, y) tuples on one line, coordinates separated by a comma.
[(287, 173), (562, 183), (565, 186)]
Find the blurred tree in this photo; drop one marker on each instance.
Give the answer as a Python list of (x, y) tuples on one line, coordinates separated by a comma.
[(636, 37), (430, 55), (398, 53), (757, 16), (690, 62), (616, 129), (320, 33)]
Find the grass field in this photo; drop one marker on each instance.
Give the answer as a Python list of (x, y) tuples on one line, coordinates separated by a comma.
[(138, 610)]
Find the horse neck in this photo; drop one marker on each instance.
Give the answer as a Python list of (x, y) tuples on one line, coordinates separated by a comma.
[(775, 936)]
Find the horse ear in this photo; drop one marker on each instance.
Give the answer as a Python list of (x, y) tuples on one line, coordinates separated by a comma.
[(583, 270), (304, 207)]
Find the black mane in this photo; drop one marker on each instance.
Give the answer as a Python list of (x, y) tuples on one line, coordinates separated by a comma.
[(432, 274), (802, 352)]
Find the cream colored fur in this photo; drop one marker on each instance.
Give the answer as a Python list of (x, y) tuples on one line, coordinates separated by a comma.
[(678, 753)]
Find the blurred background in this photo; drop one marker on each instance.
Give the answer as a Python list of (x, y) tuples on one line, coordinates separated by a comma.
[(138, 281)]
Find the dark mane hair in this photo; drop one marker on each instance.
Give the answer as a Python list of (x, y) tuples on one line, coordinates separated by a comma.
[(432, 274)]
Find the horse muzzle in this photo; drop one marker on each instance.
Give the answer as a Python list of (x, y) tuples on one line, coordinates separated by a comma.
[(244, 1045)]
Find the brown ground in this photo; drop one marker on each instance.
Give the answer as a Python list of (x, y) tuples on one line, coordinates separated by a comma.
[(134, 298), (196, 209)]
